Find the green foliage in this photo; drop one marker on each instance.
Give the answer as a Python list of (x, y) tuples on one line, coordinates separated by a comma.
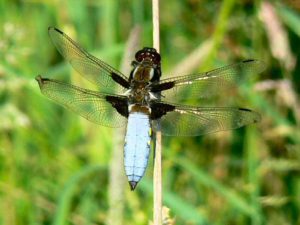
[(48, 154)]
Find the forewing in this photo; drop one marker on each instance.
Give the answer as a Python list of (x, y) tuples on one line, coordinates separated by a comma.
[(89, 104), (208, 84), (86, 64), (194, 121)]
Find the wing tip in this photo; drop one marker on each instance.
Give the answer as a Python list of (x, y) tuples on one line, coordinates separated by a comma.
[(261, 64), (249, 60), (50, 28), (256, 115), (40, 80), (244, 109)]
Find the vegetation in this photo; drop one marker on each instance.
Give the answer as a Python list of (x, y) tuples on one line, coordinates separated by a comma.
[(55, 167)]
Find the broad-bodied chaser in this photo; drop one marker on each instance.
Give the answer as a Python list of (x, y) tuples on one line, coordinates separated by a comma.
[(142, 98)]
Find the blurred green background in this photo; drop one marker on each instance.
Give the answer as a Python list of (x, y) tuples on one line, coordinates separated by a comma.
[(58, 168)]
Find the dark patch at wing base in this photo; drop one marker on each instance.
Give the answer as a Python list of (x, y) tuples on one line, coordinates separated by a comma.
[(120, 80), (120, 104), (160, 109), (162, 87)]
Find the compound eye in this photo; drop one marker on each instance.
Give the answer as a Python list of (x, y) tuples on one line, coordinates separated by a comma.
[(156, 58), (149, 54), (139, 56)]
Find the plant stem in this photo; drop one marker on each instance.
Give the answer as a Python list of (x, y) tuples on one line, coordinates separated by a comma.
[(155, 19), (157, 184)]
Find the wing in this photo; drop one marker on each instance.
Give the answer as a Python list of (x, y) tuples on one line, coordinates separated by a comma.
[(180, 120), (86, 64), (96, 107), (208, 84)]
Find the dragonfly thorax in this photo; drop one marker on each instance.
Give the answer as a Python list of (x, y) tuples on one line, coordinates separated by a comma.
[(139, 93), (146, 67), (146, 71)]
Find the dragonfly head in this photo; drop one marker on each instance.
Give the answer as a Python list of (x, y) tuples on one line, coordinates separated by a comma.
[(149, 55), (147, 62)]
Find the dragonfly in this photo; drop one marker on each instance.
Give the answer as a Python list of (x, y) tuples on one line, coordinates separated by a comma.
[(141, 99)]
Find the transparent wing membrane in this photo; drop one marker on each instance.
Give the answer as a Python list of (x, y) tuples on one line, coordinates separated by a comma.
[(193, 121), (212, 83), (89, 104), (90, 67), (178, 120)]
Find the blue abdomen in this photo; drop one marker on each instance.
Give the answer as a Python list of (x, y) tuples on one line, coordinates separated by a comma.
[(137, 147)]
